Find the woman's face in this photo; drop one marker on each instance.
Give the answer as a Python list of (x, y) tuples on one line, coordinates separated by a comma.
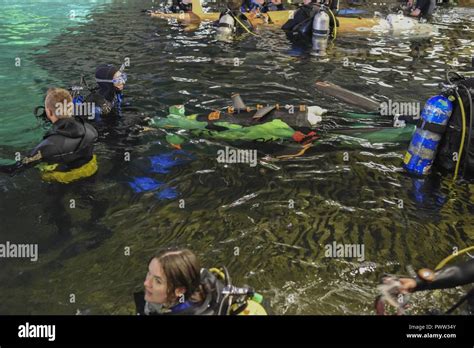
[(155, 284), (120, 85)]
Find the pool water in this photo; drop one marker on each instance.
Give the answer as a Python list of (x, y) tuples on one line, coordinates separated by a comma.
[(269, 224)]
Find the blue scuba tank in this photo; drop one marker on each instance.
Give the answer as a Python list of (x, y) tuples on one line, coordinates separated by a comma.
[(429, 132)]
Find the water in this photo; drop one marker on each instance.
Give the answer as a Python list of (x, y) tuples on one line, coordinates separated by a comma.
[(237, 215)]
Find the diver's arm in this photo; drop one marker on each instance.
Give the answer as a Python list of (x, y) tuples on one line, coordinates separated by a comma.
[(12, 169), (34, 157), (447, 277)]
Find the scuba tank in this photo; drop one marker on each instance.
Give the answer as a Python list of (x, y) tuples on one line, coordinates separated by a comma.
[(82, 108), (422, 149), (321, 25), (226, 26)]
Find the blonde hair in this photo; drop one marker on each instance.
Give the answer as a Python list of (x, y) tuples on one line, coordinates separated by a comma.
[(59, 101)]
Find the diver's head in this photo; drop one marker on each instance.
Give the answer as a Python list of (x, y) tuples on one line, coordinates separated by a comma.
[(110, 80), (58, 104), (172, 274)]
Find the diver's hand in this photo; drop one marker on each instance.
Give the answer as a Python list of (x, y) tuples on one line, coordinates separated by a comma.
[(407, 285), (415, 12)]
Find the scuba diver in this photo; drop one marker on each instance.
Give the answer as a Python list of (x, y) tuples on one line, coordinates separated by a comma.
[(426, 279), (314, 20), (107, 98), (422, 9), (66, 153), (261, 6), (303, 15), (444, 136), (279, 128), (176, 284), (233, 22)]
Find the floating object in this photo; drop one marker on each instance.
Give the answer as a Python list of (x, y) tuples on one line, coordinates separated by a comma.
[(347, 96), (144, 184)]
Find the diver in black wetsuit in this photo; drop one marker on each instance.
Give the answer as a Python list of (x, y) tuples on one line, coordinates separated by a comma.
[(107, 97), (304, 14), (68, 145), (301, 24), (447, 277)]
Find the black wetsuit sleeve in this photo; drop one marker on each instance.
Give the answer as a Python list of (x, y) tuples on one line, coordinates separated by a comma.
[(47, 150), (41, 153), (421, 3), (139, 299), (449, 277)]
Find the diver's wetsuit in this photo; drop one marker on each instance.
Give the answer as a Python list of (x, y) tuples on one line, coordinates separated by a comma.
[(426, 7), (297, 119), (69, 143), (449, 277), (304, 13), (210, 306), (451, 141)]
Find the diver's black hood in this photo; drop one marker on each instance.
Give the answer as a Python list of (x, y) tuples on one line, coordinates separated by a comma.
[(68, 127), (106, 72)]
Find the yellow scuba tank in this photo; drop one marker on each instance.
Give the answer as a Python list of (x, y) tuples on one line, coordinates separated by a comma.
[(49, 173)]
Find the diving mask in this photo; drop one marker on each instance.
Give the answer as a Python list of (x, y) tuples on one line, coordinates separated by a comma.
[(122, 79)]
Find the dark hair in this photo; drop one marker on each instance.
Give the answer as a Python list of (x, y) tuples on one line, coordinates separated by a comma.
[(181, 268)]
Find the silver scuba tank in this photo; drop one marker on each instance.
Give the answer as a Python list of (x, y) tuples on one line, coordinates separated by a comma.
[(321, 24), (320, 32), (226, 27)]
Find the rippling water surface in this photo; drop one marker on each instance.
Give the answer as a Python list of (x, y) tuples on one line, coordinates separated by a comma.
[(269, 224)]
